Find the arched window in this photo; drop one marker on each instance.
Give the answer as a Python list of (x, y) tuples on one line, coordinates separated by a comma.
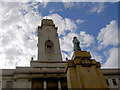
[(49, 47), (114, 81)]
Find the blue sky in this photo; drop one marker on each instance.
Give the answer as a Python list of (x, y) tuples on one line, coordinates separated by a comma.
[(95, 25)]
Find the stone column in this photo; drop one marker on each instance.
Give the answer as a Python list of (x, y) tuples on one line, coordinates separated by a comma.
[(44, 84), (59, 84)]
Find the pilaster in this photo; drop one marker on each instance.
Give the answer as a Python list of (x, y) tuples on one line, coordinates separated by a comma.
[(72, 79)]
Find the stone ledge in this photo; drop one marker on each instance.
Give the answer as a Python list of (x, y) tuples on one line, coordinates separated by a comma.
[(37, 64), (39, 70), (80, 54)]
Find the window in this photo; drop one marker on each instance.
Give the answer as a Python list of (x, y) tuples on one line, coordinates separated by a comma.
[(49, 47), (9, 84), (64, 83), (107, 82), (37, 83), (114, 81), (52, 83)]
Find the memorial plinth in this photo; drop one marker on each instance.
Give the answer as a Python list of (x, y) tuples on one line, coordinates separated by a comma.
[(84, 72)]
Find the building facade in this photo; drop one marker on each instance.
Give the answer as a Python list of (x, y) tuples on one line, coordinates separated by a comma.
[(49, 70)]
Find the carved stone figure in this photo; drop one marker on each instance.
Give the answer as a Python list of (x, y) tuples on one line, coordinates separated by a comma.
[(76, 44)]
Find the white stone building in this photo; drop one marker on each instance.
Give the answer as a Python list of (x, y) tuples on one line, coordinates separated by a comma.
[(49, 70)]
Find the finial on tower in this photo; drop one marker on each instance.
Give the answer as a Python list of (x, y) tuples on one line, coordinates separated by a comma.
[(66, 59)]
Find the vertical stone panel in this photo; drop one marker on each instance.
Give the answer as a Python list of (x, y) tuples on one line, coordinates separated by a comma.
[(72, 78)]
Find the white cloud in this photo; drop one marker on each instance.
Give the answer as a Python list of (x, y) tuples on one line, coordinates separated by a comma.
[(17, 34), (97, 8), (44, 3), (68, 4), (67, 45), (64, 56), (112, 60), (78, 21), (66, 42), (52, 11), (95, 55), (86, 39), (108, 35)]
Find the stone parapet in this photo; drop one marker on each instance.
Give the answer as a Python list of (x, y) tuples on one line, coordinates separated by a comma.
[(48, 64)]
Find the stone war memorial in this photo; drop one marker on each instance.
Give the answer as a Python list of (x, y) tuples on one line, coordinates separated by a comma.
[(82, 71), (50, 72)]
